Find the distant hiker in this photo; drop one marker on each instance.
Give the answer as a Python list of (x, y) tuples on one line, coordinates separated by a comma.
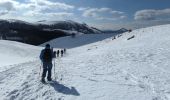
[(54, 54), (114, 37), (46, 58), (58, 53), (62, 52), (130, 30)]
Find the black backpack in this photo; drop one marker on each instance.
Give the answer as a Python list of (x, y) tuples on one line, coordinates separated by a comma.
[(47, 56)]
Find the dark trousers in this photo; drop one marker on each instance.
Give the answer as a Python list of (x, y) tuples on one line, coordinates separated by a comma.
[(47, 66)]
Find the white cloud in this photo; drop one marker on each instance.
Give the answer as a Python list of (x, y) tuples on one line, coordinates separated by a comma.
[(39, 14), (151, 14), (3, 13), (102, 13), (103, 9), (51, 5), (34, 8), (48, 16), (6, 6), (83, 8)]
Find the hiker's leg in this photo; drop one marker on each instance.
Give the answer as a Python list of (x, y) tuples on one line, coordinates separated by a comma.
[(44, 70), (49, 70)]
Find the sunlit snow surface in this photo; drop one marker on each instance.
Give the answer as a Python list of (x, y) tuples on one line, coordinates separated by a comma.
[(119, 69)]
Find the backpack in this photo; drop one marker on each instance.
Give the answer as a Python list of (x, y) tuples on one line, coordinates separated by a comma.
[(47, 56)]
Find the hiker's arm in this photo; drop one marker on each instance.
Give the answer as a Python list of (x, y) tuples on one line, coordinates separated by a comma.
[(41, 54), (53, 55)]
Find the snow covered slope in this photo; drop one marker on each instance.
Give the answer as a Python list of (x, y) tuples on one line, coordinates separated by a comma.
[(14, 53), (78, 40), (121, 69)]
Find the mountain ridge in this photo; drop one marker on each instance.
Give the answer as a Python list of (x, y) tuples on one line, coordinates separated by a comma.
[(38, 33)]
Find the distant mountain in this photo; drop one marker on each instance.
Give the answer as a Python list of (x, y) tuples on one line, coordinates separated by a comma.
[(68, 25), (41, 31), (122, 30)]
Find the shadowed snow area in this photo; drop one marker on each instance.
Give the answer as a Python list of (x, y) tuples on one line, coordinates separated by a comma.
[(112, 69)]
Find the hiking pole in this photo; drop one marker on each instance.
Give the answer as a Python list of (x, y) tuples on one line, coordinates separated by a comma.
[(40, 70), (54, 70), (60, 65)]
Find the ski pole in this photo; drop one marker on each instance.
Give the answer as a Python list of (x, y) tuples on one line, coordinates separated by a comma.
[(40, 70), (54, 70), (61, 69)]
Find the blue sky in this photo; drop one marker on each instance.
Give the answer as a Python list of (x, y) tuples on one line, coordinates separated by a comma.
[(103, 14)]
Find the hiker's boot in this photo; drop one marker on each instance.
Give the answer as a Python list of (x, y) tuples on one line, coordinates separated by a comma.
[(49, 79), (43, 80)]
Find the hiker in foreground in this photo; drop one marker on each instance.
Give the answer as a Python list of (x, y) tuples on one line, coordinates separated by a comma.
[(46, 58)]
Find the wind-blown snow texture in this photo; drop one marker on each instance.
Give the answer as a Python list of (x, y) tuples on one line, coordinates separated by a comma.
[(120, 69)]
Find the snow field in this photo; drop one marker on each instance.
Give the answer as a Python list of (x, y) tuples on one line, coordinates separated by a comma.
[(119, 69)]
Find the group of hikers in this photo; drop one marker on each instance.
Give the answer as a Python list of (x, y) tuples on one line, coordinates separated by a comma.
[(60, 52), (46, 56)]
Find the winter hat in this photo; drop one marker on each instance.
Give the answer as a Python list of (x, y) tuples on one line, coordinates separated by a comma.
[(47, 46)]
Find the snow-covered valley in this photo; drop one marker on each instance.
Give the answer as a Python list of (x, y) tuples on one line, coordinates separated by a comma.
[(112, 69)]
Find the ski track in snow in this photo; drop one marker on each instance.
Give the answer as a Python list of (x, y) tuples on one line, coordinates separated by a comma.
[(99, 71)]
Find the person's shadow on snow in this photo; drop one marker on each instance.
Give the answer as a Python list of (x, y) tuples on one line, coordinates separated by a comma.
[(63, 89)]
